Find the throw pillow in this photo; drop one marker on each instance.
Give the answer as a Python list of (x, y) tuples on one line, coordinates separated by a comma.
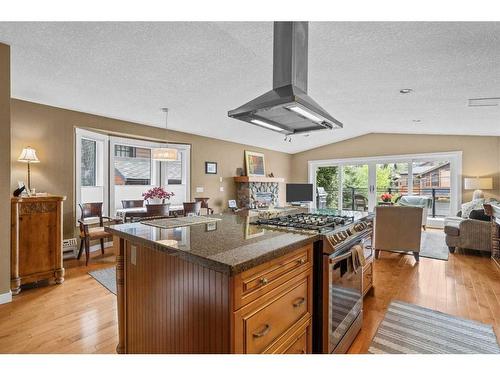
[(468, 207)]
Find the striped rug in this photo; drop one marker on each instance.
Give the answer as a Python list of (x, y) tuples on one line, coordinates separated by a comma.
[(411, 329)]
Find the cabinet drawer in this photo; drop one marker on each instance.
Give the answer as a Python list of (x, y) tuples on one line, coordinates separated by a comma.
[(252, 284), (299, 346), (271, 319)]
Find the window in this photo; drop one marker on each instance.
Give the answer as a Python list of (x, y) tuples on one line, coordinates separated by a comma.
[(112, 169), (132, 165), (174, 171), (88, 162), (91, 169)]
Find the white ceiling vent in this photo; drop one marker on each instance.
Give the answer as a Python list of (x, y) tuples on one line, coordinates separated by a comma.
[(484, 102)]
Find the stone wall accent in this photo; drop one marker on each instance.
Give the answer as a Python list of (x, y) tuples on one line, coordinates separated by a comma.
[(246, 192)]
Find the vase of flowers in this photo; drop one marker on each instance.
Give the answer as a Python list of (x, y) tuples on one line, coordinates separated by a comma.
[(386, 197), (156, 195)]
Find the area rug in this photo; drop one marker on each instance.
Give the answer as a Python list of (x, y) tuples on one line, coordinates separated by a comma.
[(411, 329), (433, 245), (106, 277)]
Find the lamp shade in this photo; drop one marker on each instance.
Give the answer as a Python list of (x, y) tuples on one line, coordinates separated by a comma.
[(477, 183), (28, 155), (164, 154)]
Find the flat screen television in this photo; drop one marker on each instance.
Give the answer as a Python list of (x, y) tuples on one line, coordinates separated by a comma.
[(299, 193)]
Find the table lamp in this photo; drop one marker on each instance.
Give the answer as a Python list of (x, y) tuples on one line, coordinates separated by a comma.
[(477, 184), (28, 155)]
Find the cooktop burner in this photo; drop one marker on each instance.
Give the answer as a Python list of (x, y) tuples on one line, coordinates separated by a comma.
[(318, 222)]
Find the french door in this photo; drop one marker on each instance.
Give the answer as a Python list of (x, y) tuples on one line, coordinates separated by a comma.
[(358, 184)]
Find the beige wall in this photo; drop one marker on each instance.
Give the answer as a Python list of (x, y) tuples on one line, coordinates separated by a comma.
[(50, 131), (481, 155), (4, 168)]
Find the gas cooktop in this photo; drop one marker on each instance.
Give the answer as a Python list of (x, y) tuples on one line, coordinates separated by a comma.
[(317, 222)]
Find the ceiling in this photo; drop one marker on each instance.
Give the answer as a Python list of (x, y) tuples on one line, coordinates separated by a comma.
[(200, 70)]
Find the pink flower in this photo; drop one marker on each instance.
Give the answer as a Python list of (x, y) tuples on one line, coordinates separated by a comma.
[(157, 192)]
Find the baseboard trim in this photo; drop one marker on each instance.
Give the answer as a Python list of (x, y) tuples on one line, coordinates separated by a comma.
[(94, 248), (6, 297)]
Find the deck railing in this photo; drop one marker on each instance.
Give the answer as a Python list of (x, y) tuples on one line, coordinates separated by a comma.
[(356, 198)]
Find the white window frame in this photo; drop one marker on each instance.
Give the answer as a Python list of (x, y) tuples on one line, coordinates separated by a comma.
[(158, 169), (100, 170), (185, 149), (454, 157)]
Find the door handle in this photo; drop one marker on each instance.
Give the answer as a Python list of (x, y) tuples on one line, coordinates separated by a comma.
[(264, 332)]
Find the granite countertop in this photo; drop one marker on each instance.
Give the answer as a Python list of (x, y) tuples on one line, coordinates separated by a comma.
[(230, 245)]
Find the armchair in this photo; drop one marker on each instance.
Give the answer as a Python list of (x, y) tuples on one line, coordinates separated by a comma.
[(398, 229), (472, 233), (417, 201), (88, 232)]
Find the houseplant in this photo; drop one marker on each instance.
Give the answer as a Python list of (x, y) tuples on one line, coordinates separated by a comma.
[(156, 195)]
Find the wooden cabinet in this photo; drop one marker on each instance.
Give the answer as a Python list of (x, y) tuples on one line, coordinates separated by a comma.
[(273, 306), (167, 304), (36, 240)]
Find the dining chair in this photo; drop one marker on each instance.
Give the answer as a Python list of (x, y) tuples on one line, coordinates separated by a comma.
[(133, 203), (88, 233), (159, 209), (192, 208)]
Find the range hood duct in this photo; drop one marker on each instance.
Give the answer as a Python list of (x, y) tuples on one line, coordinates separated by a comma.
[(287, 108)]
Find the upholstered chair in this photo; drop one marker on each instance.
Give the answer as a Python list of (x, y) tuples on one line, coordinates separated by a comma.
[(398, 229)]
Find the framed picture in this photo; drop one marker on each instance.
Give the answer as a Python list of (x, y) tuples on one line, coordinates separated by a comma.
[(210, 167), (255, 164)]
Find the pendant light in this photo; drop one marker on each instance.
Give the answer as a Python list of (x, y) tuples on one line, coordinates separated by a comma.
[(164, 154)]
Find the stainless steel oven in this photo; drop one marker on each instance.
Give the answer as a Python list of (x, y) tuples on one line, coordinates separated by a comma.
[(345, 300), (338, 295)]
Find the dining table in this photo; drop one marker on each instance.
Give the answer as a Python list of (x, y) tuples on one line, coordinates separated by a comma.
[(127, 214)]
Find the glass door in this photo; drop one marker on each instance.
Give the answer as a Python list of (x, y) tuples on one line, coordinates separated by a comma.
[(432, 179), (391, 182), (344, 187), (355, 187)]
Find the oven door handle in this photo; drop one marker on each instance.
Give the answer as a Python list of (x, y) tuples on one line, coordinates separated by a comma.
[(341, 257)]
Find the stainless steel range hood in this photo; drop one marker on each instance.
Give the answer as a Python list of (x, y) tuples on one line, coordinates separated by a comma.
[(287, 108)]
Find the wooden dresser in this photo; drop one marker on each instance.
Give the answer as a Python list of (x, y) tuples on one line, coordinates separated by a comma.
[(36, 240)]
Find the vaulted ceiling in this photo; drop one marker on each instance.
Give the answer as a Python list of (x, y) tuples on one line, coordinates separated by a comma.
[(200, 70)]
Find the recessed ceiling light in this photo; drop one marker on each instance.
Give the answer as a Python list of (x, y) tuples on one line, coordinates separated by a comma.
[(405, 91)]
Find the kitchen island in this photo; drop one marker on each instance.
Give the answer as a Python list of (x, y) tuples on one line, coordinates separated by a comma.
[(225, 286), (208, 288)]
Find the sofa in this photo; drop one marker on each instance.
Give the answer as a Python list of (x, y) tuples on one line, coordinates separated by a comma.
[(472, 233)]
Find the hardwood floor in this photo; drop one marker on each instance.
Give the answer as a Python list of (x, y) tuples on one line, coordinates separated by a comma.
[(467, 285), (79, 316)]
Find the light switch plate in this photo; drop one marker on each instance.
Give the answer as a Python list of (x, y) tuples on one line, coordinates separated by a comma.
[(199, 189), (220, 179), (221, 188)]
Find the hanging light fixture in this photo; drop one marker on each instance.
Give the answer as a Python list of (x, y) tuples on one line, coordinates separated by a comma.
[(164, 154)]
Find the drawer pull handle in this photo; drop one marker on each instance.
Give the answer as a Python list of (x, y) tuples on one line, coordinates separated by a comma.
[(264, 281), (300, 302), (301, 261), (264, 332)]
